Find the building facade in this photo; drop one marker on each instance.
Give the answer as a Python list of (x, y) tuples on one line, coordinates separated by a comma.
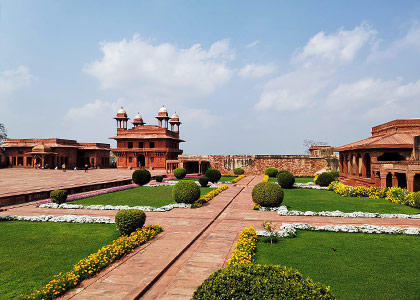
[(389, 158), (51, 153), (147, 146)]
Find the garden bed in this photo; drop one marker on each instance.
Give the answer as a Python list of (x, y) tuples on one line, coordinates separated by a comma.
[(355, 265), (33, 252)]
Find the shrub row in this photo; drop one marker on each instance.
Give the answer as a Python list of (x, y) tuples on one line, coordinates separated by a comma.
[(94, 263), (235, 180), (207, 197)]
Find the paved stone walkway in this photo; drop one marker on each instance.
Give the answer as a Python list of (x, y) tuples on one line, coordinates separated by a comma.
[(195, 242)]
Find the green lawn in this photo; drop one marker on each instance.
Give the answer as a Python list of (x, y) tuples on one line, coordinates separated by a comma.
[(297, 179), (364, 266), (322, 200), (140, 196), (33, 252), (222, 179)]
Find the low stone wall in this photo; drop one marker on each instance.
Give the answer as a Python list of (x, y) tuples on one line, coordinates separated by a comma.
[(256, 164)]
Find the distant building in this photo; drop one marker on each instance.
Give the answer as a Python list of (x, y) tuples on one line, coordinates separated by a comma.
[(389, 158), (50, 153), (147, 146)]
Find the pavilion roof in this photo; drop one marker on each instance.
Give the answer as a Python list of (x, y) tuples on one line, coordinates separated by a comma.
[(391, 140)]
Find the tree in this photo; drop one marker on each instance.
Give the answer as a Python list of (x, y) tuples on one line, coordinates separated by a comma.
[(112, 160), (3, 133), (309, 143)]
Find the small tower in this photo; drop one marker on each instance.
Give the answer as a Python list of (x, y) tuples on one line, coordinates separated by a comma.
[(122, 119), (138, 120), (175, 122), (163, 116)]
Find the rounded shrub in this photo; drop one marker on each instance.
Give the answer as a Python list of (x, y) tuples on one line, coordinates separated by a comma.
[(141, 177), (180, 173), (238, 171), (204, 181), (267, 194), (416, 200), (186, 191), (159, 178), (213, 175), (271, 172), (286, 179), (58, 196), (253, 281), (335, 174), (128, 220), (324, 179)]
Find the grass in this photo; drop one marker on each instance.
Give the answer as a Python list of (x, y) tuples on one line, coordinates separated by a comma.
[(322, 200), (222, 179), (140, 196), (32, 253), (297, 179), (363, 267)]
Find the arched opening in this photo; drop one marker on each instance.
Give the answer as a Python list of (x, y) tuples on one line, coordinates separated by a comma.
[(367, 164), (402, 180), (390, 156), (416, 185), (141, 161), (389, 180)]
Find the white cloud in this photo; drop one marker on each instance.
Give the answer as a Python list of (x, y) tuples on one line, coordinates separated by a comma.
[(201, 117), (94, 109), (253, 44), (13, 80), (410, 41), (160, 72), (341, 46), (255, 71)]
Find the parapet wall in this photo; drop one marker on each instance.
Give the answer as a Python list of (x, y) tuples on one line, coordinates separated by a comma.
[(256, 164)]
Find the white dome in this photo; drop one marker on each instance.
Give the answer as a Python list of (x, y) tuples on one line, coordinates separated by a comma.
[(122, 110), (175, 116), (163, 109), (138, 116)]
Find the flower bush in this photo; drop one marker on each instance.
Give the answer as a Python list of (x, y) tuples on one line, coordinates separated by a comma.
[(245, 248), (235, 180), (94, 263), (207, 197), (266, 178), (399, 195)]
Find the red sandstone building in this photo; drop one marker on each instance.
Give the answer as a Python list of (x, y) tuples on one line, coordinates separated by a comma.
[(147, 146), (51, 153), (389, 158)]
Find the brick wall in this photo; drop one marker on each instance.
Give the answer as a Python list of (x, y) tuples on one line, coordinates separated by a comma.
[(256, 164)]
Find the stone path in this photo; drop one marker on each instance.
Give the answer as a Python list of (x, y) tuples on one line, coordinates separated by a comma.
[(195, 242)]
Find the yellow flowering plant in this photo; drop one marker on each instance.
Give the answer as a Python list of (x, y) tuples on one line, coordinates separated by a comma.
[(94, 263), (245, 248), (238, 178), (207, 197), (266, 178)]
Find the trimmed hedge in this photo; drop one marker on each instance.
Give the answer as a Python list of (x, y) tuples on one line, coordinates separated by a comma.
[(213, 175), (335, 174), (58, 196), (416, 200), (159, 178), (272, 172), (186, 191), (204, 181), (267, 194), (238, 171), (129, 220), (285, 179), (324, 179), (141, 177), (253, 281), (180, 173)]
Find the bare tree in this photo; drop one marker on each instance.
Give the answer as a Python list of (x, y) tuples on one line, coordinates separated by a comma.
[(309, 143), (112, 160), (3, 133)]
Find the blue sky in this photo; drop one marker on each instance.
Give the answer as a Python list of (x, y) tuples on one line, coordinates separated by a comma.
[(245, 77)]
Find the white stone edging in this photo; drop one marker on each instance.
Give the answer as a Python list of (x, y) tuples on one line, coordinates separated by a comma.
[(283, 211), (57, 219), (289, 230), (116, 207)]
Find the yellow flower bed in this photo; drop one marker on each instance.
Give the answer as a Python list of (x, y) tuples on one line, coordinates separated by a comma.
[(207, 197), (266, 178), (238, 178), (94, 263), (245, 249)]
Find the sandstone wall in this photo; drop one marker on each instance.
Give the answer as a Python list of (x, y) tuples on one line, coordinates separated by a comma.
[(256, 164)]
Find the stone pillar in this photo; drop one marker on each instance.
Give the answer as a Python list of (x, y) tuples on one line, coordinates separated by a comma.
[(383, 179), (410, 182), (364, 173)]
